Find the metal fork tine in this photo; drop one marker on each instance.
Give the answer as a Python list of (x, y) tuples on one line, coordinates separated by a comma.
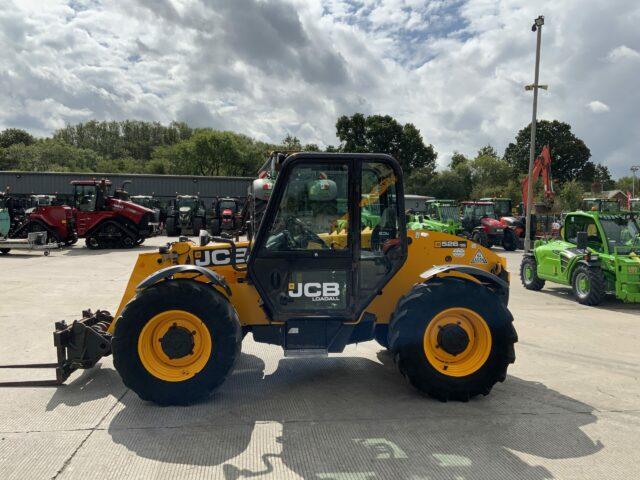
[(31, 365), (31, 383)]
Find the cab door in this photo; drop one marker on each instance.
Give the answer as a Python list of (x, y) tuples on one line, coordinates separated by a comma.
[(315, 257), (85, 197), (302, 259)]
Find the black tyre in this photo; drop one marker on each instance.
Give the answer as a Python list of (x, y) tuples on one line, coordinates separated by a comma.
[(215, 228), (197, 226), (381, 333), (453, 339), (480, 238), (588, 285), (529, 274), (509, 241), (4, 251), (176, 342), (92, 242), (171, 227)]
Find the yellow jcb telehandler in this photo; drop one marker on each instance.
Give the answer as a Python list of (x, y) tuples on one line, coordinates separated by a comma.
[(314, 279)]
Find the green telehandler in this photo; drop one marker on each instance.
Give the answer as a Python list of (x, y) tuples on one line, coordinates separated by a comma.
[(597, 254), (441, 216)]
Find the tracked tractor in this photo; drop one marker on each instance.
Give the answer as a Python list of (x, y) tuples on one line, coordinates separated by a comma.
[(480, 224), (186, 215), (597, 254), (437, 302), (106, 221)]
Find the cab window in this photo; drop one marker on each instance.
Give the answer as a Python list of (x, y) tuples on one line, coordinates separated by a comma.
[(312, 214), (575, 224)]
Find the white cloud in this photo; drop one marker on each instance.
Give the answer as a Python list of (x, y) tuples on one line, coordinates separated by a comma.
[(456, 69), (598, 107), (623, 53)]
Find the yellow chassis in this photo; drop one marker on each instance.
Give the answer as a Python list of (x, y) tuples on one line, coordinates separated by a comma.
[(426, 249)]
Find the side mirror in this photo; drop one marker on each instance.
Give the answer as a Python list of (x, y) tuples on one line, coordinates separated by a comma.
[(582, 240), (204, 238)]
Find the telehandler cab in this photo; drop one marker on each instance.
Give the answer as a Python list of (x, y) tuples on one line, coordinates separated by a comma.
[(436, 301)]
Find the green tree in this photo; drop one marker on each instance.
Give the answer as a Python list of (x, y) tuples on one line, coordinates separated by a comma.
[(602, 175), (383, 134), (626, 184), (570, 195), (48, 155), (490, 175), (487, 151), (14, 136), (211, 152), (130, 138), (291, 143), (457, 159), (570, 155), (448, 184)]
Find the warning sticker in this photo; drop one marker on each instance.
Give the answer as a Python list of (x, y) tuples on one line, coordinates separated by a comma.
[(479, 258)]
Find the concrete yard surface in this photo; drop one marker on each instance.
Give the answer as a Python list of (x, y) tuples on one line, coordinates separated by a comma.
[(569, 409)]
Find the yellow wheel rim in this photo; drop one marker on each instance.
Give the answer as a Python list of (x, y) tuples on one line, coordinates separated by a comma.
[(155, 359), (472, 357)]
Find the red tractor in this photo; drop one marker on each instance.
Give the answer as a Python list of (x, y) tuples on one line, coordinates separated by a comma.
[(104, 221), (480, 224), (109, 221)]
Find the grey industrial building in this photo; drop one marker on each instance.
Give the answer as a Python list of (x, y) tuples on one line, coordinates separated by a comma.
[(162, 186)]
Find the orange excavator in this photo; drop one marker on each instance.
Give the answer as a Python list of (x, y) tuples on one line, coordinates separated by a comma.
[(542, 166), (544, 221)]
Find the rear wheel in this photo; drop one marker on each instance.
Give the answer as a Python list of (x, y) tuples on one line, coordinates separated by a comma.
[(176, 342), (588, 285), (529, 274), (453, 339)]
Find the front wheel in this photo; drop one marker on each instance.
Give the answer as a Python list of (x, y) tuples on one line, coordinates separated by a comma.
[(509, 242), (588, 285), (480, 238), (4, 251), (170, 225), (176, 342), (453, 339), (529, 274)]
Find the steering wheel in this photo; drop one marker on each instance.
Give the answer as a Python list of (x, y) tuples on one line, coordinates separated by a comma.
[(296, 241)]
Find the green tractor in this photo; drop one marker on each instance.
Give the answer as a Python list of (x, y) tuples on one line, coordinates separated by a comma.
[(441, 216), (186, 215), (597, 253), (600, 205)]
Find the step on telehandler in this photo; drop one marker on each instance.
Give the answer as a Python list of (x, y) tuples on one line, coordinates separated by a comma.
[(436, 301)]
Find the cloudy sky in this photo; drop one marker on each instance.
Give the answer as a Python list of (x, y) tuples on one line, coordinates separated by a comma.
[(456, 69)]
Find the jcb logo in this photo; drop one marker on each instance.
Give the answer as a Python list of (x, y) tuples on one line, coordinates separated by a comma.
[(318, 292), (221, 256)]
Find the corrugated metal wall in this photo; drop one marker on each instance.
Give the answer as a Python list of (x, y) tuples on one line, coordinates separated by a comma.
[(159, 185)]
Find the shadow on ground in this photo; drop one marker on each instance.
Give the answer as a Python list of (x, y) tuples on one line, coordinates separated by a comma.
[(346, 417), (610, 302)]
